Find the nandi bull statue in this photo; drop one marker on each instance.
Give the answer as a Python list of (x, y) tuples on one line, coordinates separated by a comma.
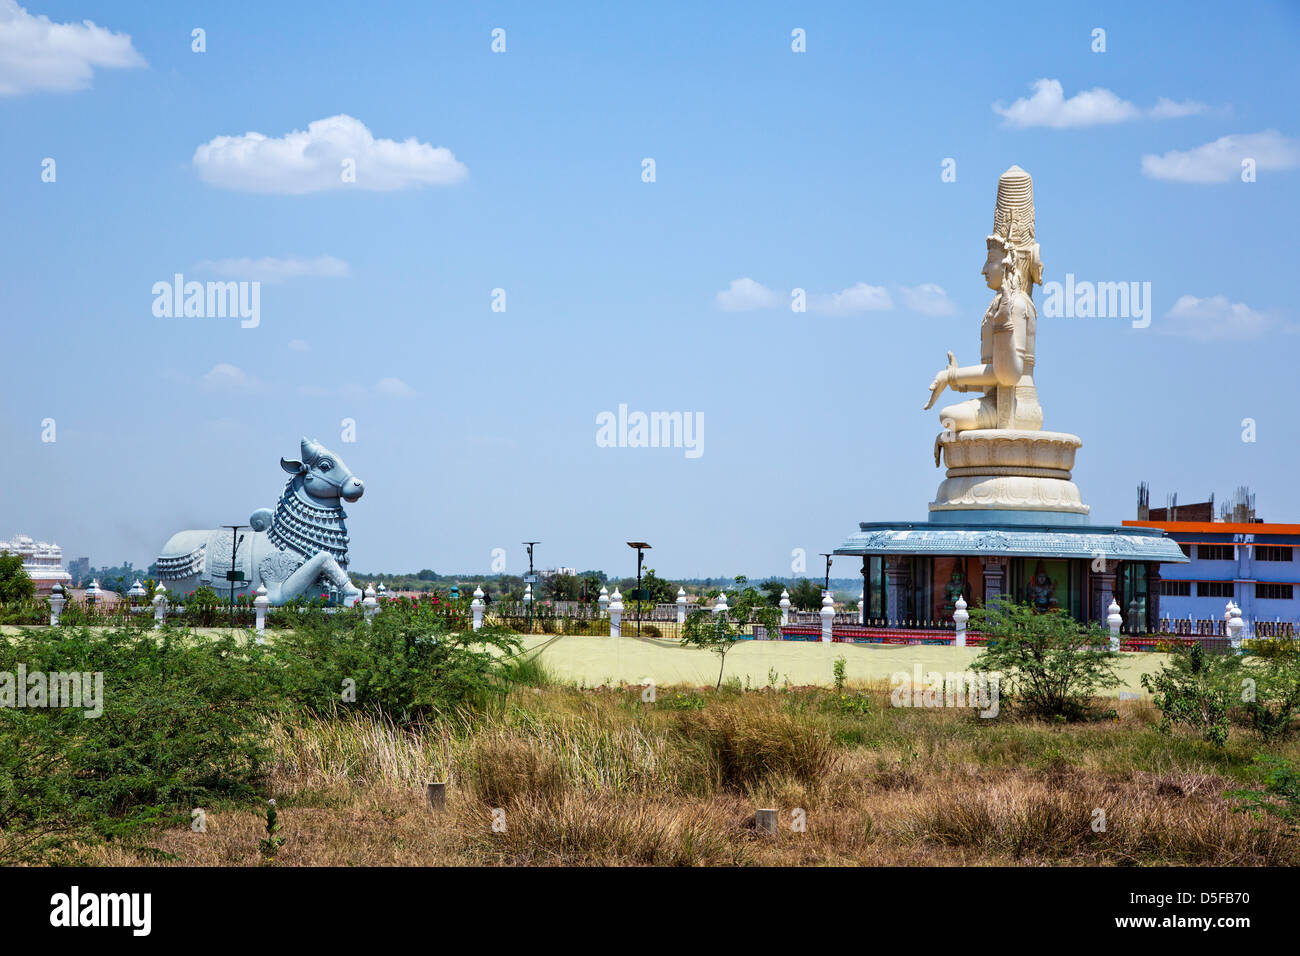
[(291, 549)]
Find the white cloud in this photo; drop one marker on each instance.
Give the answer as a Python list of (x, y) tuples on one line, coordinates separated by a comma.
[(1220, 161), (298, 345), (225, 377), (1215, 319), (927, 299), (394, 388), (269, 269), (853, 300), (37, 54), (744, 295), (384, 388), (1049, 107), (312, 161), (1168, 109)]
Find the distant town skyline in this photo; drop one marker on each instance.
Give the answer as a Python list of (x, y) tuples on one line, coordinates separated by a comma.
[(479, 254)]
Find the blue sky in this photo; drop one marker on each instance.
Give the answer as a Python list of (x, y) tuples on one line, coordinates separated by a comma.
[(819, 170)]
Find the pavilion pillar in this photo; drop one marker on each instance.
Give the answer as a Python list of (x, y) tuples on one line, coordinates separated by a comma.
[(1153, 596), (898, 580), (1103, 590), (995, 578)]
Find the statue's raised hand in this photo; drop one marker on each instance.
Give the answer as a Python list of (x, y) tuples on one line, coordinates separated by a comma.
[(942, 380)]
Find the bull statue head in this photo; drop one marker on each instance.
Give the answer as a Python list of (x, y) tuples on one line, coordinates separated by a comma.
[(323, 473)]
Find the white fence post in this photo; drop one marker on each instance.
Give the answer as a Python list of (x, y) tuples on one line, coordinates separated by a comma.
[(1113, 620), (828, 615), (959, 617), (785, 607), (57, 600), (616, 615), (681, 605), (476, 608), (370, 604), (262, 602), (159, 606)]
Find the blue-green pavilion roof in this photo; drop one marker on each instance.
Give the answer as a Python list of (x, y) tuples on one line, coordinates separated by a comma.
[(1019, 540)]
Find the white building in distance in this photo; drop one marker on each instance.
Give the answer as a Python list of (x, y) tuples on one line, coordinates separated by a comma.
[(42, 561)]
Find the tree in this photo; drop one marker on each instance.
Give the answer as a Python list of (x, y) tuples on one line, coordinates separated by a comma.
[(806, 595), (562, 587), (772, 588), (15, 584), (1052, 665), (720, 632)]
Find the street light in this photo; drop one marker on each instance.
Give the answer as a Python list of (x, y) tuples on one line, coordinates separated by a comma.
[(828, 570), (638, 595), (233, 576), (530, 581)]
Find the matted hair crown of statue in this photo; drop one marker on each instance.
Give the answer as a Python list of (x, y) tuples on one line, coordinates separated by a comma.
[(1015, 207)]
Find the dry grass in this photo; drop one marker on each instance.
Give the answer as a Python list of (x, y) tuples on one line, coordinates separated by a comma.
[(599, 778)]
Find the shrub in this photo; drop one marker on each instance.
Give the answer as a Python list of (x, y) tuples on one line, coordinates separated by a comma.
[(1196, 689), (406, 662), (1275, 698), (1051, 665), (180, 727), (743, 746)]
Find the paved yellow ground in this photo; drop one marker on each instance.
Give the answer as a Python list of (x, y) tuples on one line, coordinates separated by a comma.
[(592, 661)]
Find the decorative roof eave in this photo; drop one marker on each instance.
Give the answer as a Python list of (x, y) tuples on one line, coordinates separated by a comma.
[(1082, 541)]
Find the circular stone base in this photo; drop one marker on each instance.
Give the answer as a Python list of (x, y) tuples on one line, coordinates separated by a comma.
[(995, 451), (1008, 492)]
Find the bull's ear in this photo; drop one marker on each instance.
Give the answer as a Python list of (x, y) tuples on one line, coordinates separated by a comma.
[(291, 466)]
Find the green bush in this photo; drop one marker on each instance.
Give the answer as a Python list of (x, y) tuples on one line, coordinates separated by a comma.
[(406, 662), (1052, 666), (181, 727), (1196, 689)]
